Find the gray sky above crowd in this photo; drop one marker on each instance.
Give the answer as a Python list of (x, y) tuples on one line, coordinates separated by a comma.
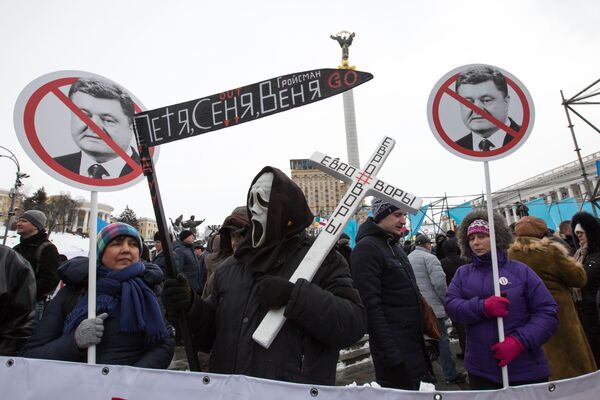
[(170, 52)]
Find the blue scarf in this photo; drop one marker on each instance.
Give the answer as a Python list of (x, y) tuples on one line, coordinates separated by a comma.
[(139, 312)]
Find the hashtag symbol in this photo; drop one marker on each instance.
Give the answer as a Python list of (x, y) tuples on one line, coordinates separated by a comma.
[(363, 178)]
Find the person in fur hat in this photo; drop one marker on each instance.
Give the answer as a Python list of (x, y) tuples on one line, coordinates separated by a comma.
[(568, 351), (323, 316), (530, 313), (587, 237)]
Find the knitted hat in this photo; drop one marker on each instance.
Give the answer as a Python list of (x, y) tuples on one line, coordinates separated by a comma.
[(185, 234), (422, 239), (36, 217), (531, 226), (110, 232), (381, 209), (478, 226)]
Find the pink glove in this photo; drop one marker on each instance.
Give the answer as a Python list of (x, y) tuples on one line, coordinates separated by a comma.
[(508, 350), (495, 306)]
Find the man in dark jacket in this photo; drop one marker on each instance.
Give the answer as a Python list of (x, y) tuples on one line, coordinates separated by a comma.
[(159, 256), (41, 254), (17, 301), (188, 263), (387, 286), (323, 316)]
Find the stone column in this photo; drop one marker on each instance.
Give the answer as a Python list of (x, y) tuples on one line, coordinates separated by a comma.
[(85, 227), (75, 221), (507, 215), (514, 210), (584, 193), (571, 191)]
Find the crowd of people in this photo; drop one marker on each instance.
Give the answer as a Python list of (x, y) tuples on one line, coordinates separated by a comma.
[(403, 296)]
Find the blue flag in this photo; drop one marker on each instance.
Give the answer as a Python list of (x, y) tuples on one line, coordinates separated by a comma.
[(459, 212), (100, 223), (417, 220)]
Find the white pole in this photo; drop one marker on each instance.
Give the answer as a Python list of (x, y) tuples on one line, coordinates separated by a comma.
[(490, 213), (350, 121), (93, 226)]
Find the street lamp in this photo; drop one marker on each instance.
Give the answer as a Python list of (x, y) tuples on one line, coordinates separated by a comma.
[(13, 192)]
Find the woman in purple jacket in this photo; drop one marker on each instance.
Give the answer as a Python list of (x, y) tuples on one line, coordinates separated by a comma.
[(528, 309)]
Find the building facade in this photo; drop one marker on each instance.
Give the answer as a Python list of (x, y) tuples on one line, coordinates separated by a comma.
[(323, 192), (80, 221), (147, 227), (553, 186)]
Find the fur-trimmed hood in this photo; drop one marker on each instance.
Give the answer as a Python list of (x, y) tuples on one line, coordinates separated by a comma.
[(504, 237), (526, 244), (591, 226)]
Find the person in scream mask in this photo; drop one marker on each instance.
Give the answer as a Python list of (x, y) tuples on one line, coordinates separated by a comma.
[(323, 316), (530, 313)]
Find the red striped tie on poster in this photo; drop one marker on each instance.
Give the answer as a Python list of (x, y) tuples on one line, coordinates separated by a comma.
[(58, 126), (480, 112)]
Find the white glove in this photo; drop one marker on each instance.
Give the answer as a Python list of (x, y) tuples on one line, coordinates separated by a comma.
[(90, 331)]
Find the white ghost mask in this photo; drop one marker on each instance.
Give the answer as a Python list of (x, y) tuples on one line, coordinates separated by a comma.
[(258, 204)]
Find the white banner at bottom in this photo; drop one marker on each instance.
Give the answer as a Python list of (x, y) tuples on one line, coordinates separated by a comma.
[(24, 379)]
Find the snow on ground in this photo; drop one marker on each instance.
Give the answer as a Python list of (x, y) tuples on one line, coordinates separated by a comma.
[(66, 243)]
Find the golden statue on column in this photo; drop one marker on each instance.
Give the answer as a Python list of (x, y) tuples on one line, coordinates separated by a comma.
[(344, 38)]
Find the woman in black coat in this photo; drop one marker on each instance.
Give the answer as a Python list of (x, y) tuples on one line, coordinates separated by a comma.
[(587, 236)]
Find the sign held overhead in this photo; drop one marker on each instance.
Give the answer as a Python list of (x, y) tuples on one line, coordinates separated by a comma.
[(247, 103)]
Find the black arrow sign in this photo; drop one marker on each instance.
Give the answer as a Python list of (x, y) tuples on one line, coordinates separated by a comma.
[(233, 107)]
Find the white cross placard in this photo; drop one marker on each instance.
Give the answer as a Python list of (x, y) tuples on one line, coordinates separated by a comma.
[(362, 183)]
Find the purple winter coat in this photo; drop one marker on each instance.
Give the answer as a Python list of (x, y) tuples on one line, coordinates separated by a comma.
[(532, 317)]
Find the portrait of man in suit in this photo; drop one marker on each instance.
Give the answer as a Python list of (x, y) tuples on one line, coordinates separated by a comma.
[(486, 88), (112, 110)]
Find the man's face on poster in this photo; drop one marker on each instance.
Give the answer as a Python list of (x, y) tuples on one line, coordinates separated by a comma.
[(109, 116), (485, 95)]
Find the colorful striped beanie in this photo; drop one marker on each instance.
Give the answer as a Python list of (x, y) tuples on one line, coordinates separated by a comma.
[(112, 231)]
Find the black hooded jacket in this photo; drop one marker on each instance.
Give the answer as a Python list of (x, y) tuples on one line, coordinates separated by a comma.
[(17, 296), (387, 286), (323, 316), (591, 264), (46, 273)]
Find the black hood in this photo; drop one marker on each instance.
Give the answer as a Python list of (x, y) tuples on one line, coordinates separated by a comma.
[(591, 226), (288, 215)]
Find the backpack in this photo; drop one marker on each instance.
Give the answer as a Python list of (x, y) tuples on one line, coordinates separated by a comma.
[(38, 254)]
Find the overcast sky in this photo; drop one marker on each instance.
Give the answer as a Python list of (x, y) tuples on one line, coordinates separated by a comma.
[(170, 52)]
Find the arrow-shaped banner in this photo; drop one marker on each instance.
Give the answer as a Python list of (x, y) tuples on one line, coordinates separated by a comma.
[(233, 107)]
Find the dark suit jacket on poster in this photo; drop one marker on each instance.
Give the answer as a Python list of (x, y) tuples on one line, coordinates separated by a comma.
[(467, 140), (72, 162)]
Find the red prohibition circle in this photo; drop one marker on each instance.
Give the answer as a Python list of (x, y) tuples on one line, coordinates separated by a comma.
[(32, 136), (479, 154)]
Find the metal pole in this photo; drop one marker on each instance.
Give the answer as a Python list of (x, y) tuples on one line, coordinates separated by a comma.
[(495, 274), (351, 135), (574, 98), (588, 186), (150, 173), (93, 234), (11, 211)]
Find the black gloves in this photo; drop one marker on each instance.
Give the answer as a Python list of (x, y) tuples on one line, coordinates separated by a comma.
[(177, 294), (274, 291)]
